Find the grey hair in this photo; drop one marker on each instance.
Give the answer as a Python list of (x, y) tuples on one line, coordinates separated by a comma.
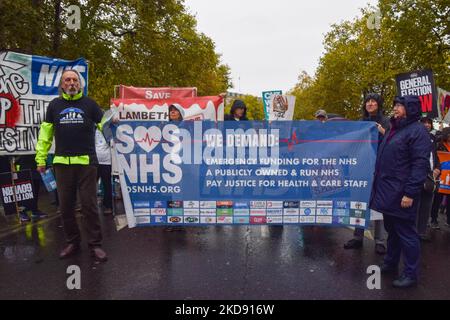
[(80, 80)]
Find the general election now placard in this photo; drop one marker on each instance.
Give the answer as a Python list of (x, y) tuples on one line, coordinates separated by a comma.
[(290, 172), (27, 85)]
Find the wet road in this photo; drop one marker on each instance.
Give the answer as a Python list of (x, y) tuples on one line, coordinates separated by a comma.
[(226, 262)]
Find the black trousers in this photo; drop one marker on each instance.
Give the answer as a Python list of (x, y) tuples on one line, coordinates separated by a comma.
[(403, 239), (104, 173), (69, 178)]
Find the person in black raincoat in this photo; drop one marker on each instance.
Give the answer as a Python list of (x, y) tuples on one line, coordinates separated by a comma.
[(238, 111), (400, 172), (372, 110)]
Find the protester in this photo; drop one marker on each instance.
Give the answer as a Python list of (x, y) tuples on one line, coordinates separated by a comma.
[(372, 111), (238, 111), (321, 115), (26, 162), (104, 170), (444, 146), (71, 119), (176, 113), (430, 186), (401, 169)]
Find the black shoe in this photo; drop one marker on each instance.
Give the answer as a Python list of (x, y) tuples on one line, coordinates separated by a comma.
[(388, 269), (69, 250), (404, 282), (380, 248), (353, 244), (99, 254)]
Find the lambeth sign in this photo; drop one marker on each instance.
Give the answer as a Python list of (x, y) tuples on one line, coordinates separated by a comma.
[(292, 172)]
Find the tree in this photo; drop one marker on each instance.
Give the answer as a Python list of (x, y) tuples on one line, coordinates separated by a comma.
[(360, 58)]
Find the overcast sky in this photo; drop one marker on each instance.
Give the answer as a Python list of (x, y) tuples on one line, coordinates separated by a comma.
[(267, 43)]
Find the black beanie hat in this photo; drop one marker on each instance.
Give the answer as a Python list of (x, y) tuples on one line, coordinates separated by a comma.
[(376, 97)]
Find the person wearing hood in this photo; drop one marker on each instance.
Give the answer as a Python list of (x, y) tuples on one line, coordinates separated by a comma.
[(176, 112), (238, 111), (403, 162), (430, 190), (372, 111)]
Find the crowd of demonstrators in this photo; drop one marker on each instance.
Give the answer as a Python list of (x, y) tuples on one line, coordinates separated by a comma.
[(431, 185), (103, 152), (442, 144), (26, 162), (372, 110), (75, 162), (403, 162)]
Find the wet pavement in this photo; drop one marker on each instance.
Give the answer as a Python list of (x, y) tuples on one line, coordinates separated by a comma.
[(216, 262)]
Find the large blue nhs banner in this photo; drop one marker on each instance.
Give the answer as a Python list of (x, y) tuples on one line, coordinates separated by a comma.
[(249, 172)]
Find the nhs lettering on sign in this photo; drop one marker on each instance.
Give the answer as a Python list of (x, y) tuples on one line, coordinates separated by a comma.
[(46, 74)]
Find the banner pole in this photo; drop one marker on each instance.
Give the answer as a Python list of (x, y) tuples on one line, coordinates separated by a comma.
[(13, 171)]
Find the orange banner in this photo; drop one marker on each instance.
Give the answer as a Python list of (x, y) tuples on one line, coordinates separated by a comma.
[(444, 158)]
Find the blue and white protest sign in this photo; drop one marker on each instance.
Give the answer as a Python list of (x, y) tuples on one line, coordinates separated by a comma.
[(285, 172), (27, 85), (267, 97)]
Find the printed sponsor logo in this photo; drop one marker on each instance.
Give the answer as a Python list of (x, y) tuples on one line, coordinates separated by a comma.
[(258, 212), (158, 212), (290, 219), (141, 212), (258, 204), (159, 219), (158, 204), (175, 219), (241, 212), (357, 213), (357, 221), (321, 219), (257, 220), (142, 220), (141, 204), (291, 204), (207, 204), (275, 212), (224, 204), (358, 205), (208, 220), (307, 204), (241, 220), (225, 219), (241, 205), (274, 204), (307, 211), (275, 219), (224, 212), (324, 211), (175, 212), (191, 219), (291, 211), (208, 212), (325, 204), (191, 212), (341, 220), (191, 204), (306, 219), (175, 204), (341, 204), (341, 212)]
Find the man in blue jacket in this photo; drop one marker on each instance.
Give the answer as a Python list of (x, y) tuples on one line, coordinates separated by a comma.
[(400, 172)]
